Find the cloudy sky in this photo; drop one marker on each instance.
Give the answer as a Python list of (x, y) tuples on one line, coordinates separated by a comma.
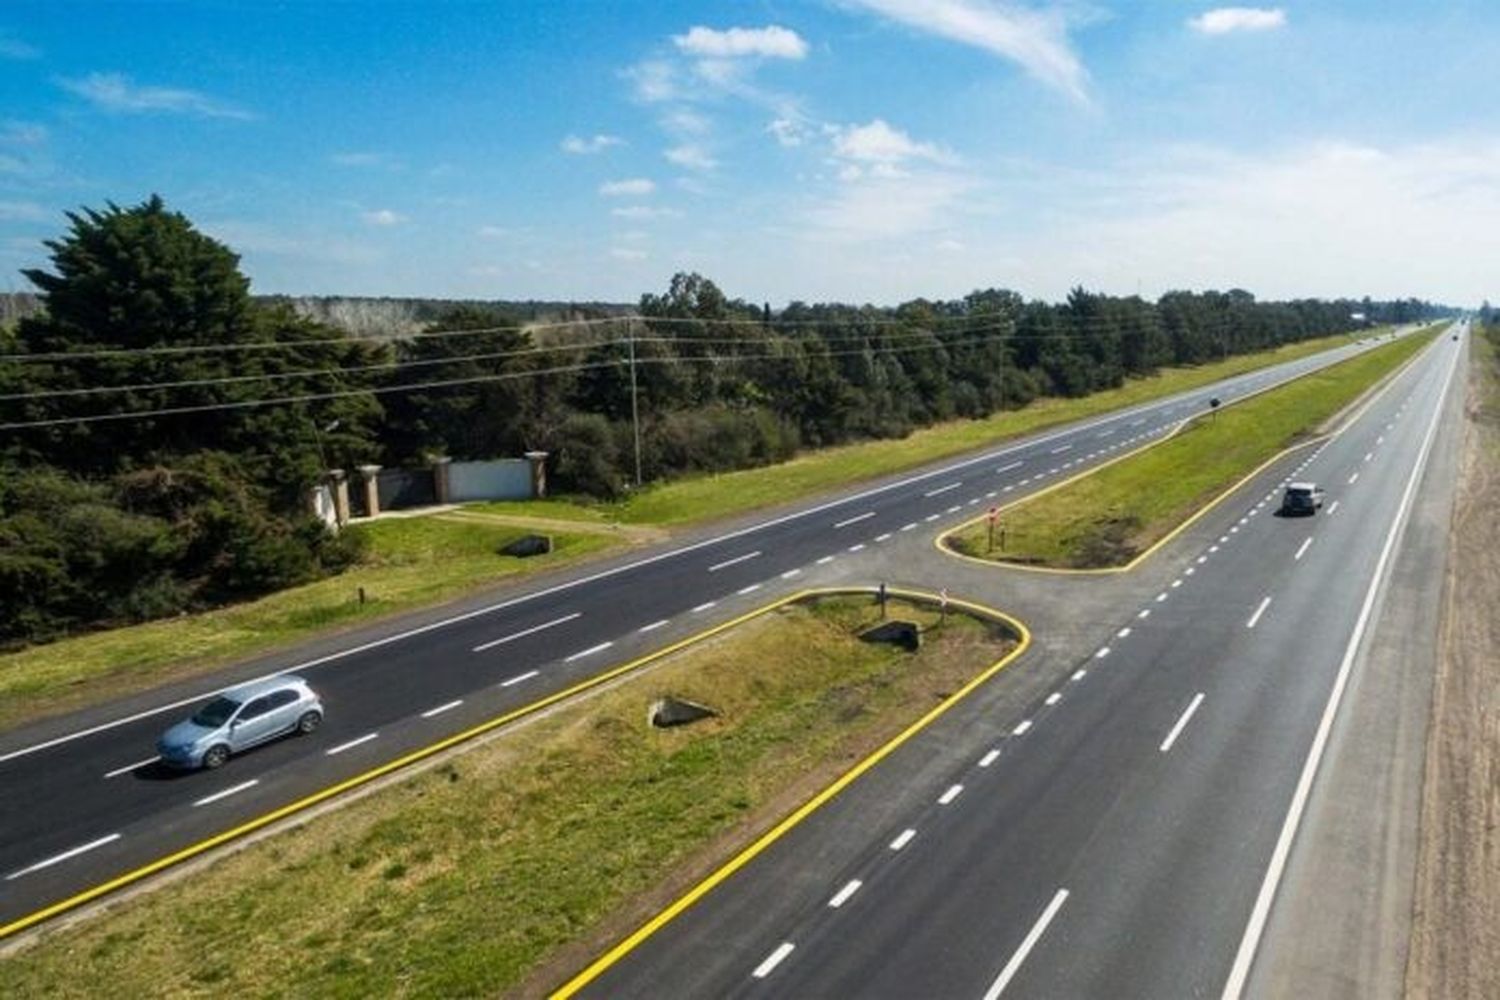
[(869, 150)]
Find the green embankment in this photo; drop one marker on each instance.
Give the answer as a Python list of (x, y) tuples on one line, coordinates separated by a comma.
[(1109, 517), (531, 853)]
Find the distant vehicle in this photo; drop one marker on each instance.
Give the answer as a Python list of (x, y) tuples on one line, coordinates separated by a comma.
[(1302, 498), (239, 719)]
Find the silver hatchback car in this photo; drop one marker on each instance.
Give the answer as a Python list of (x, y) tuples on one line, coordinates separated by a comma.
[(241, 718)]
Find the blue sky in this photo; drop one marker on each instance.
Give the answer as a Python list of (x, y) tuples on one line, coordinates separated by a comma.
[(869, 150)]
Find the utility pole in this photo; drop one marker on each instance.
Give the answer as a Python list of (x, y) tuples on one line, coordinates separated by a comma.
[(635, 410)]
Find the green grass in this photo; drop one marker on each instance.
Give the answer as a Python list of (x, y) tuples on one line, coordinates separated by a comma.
[(685, 500), (412, 562), (513, 865), (1109, 517)]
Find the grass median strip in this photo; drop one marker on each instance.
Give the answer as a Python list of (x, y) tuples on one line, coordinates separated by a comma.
[(1108, 518), (510, 866)]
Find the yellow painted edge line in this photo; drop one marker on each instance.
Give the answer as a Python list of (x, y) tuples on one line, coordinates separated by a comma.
[(740, 860), (1388, 379), (421, 753)]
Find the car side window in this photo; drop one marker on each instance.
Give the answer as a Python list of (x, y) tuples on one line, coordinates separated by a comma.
[(257, 708), (284, 697)]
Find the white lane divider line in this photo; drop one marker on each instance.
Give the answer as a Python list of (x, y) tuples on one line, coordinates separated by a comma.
[(528, 675), (931, 517), (1061, 448), (335, 751), (232, 790), (1007, 468), (954, 509), (527, 631), (589, 652), (1103, 652), (748, 590), (772, 960), (1302, 549), (1177, 583), (824, 561), (446, 707), (791, 573), (1190, 571), (1144, 613), (953, 792), (990, 495), (843, 895), (1202, 560), (65, 855), (659, 623), (1182, 721), (1022, 729), (1032, 937), (911, 526), (855, 519), (1353, 479), (942, 489), (1079, 675), (1161, 597), (1333, 507), (1053, 698), (989, 758), (703, 607), (883, 538), (902, 839), (750, 555), (1369, 455), (1124, 633), (857, 548), (1265, 603), (131, 767)]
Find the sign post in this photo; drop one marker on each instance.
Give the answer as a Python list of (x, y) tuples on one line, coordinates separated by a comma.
[(993, 516)]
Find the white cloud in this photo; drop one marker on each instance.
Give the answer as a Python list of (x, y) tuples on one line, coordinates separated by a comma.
[(1037, 40), (654, 81), (22, 211), (1228, 19), (116, 92), (878, 142), (382, 217), (643, 212), (19, 133), (627, 253), (888, 208), (691, 156), (685, 121), (787, 132), (771, 42), (594, 144), (14, 48), (631, 187)]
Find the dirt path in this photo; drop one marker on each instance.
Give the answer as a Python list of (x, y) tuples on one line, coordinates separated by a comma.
[(1455, 944), (635, 534)]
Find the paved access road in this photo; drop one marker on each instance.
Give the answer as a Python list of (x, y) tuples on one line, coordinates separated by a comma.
[(1121, 831), (81, 801)]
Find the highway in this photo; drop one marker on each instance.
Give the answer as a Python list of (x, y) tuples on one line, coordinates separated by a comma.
[(1121, 830), (81, 800)]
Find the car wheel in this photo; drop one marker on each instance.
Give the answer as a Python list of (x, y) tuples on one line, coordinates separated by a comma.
[(215, 756), (309, 722)]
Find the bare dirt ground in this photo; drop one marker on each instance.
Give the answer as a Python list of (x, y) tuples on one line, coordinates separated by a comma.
[(1455, 944)]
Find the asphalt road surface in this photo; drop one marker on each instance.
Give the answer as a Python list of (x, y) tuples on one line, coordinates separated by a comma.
[(81, 800), (1122, 831)]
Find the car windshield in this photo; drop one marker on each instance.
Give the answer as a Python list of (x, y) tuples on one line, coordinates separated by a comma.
[(1299, 493), (216, 712)]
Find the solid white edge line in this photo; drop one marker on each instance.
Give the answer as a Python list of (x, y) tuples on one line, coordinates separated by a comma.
[(739, 559), (446, 707), (1182, 721), (628, 567), (1032, 937), (1260, 610), (772, 960), (601, 647), (233, 789), (335, 751), (902, 839), (854, 520), (65, 855), (525, 632), (842, 896), (1240, 972), (131, 767), (528, 675)]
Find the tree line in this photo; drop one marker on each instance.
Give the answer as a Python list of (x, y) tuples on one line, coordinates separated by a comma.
[(160, 427)]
